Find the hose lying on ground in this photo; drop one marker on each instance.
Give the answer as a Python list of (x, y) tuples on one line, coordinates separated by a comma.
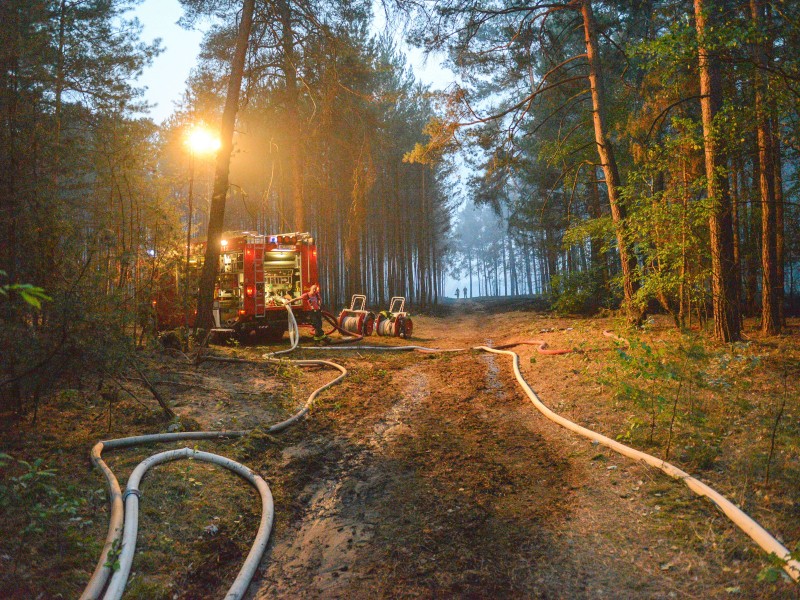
[(739, 518), (117, 585), (757, 533), (124, 509)]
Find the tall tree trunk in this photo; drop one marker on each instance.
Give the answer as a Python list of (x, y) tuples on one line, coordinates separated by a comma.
[(684, 309), (216, 220), (737, 245), (777, 162), (723, 268), (512, 263), (469, 262), (598, 258), (770, 305), (293, 116), (59, 91), (780, 242), (496, 275), (605, 150), (752, 246), (505, 269), (434, 263), (527, 250)]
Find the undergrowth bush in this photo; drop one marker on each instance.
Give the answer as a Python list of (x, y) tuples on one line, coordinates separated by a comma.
[(579, 293), (49, 515)]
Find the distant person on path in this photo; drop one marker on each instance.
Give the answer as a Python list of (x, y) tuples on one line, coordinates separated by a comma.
[(457, 291), (465, 292)]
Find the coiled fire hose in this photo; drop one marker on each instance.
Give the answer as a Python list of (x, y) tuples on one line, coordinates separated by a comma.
[(123, 522), (757, 533)]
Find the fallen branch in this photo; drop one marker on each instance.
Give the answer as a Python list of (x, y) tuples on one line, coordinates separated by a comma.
[(775, 427), (127, 391), (167, 410), (171, 382)]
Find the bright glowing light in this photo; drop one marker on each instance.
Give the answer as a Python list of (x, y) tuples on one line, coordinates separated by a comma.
[(224, 243), (201, 141)]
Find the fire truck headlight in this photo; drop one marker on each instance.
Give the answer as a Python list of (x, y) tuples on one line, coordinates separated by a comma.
[(249, 291)]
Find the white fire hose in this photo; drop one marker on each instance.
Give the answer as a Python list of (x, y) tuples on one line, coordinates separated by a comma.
[(739, 518), (131, 501), (132, 493), (123, 522)]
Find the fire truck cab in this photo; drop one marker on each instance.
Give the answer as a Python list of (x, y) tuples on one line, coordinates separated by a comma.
[(257, 275)]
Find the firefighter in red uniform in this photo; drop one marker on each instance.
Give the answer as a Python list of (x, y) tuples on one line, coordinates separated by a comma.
[(315, 300)]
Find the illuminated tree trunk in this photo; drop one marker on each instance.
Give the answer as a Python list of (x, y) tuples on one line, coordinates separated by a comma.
[(216, 220), (598, 261), (469, 267), (293, 117), (723, 267), (770, 303), (780, 242), (608, 162), (526, 253)]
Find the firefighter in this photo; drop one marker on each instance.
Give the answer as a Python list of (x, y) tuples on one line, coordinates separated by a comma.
[(315, 300)]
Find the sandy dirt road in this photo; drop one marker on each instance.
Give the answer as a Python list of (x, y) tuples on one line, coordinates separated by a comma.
[(433, 476)]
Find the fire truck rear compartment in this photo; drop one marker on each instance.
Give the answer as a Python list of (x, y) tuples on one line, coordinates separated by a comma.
[(282, 275), (257, 275)]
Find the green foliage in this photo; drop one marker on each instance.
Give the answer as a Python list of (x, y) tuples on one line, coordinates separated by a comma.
[(644, 377), (32, 489), (775, 565), (672, 395), (31, 294), (629, 435), (601, 228), (85, 204), (577, 292), (112, 558)]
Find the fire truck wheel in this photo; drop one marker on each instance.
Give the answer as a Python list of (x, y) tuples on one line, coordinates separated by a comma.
[(245, 334), (274, 335)]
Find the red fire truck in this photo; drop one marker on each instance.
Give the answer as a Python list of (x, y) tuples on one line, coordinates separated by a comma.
[(257, 273)]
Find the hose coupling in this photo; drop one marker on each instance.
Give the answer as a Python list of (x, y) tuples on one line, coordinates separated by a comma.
[(131, 492)]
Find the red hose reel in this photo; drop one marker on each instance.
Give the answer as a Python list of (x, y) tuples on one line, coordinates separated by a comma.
[(395, 321), (357, 319)]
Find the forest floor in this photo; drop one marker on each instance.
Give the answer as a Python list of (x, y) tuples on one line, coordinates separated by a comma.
[(429, 476)]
